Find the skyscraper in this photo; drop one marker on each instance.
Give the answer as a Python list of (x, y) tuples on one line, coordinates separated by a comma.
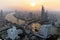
[(42, 13), (1, 18), (1, 14), (44, 16), (30, 15)]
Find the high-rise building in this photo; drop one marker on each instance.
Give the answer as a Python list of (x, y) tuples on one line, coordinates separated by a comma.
[(30, 15), (44, 16), (1, 14), (2, 18), (42, 13)]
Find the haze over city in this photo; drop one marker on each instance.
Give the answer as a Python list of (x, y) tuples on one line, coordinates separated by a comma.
[(29, 19), (30, 4)]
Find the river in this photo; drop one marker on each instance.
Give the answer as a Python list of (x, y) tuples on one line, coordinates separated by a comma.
[(12, 19)]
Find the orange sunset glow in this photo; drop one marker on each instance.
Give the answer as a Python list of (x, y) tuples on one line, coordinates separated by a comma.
[(30, 4)]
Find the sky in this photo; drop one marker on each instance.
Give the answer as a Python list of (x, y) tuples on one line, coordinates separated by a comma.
[(30, 4)]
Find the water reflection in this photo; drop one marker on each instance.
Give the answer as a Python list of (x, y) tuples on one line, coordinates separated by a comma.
[(35, 27)]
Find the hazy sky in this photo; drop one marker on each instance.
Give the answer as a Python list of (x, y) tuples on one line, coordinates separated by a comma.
[(30, 4)]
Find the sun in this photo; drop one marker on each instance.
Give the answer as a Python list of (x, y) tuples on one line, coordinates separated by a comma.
[(32, 4)]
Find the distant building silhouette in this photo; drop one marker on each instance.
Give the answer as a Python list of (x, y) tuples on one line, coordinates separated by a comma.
[(30, 15), (1, 13), (1, 18)]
